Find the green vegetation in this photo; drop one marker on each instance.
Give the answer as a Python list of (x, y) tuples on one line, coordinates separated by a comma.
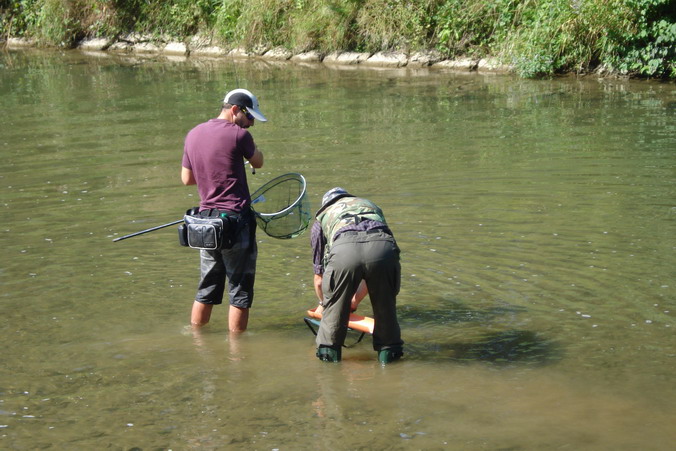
[(537, 37)]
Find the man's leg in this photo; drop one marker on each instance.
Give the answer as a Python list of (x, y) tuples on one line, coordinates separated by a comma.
[(341, 278), (240, 264), (210, 287), (201, 313), (238, 319), (383, 275)]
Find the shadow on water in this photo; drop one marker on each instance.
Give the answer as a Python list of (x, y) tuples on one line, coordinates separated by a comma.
[(506, 347), (453, 312), (464, 335)]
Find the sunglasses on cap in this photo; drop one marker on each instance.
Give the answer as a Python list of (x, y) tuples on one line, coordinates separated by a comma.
[(246, 113)]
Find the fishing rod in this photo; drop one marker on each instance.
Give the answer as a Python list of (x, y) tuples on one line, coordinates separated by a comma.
[(148, 230)]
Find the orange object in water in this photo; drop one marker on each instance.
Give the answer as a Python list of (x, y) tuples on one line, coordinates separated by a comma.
[(356, 322)]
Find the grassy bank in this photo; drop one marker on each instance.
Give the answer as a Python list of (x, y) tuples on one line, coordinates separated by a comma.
[(537, 37)]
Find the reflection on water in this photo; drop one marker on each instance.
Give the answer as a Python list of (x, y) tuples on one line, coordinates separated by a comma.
[(536, 221)]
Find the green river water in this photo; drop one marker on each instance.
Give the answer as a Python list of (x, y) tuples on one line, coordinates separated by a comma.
[(537, 222)]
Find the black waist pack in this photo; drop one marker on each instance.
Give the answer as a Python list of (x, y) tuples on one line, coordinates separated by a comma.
[(208, 229)]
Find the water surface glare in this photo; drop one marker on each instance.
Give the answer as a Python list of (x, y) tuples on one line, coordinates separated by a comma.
[(537, 221)]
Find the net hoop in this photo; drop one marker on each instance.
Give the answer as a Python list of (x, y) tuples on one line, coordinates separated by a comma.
[(271, 184), (264, 218)]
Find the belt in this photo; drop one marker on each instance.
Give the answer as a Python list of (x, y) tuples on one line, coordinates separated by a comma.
[(216, 213), (357, 232)]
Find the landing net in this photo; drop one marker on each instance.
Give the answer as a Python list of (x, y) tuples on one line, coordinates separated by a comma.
[(281, 206)]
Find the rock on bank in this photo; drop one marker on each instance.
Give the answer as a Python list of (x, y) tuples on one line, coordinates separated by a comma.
[(203, 47)]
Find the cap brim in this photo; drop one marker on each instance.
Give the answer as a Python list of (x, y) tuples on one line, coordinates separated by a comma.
[(257, 114)]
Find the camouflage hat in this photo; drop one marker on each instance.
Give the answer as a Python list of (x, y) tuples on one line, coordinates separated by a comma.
[(331, 196)]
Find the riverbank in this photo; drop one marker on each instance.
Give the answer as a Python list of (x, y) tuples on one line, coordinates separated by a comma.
[(203, 47), (530, 39)]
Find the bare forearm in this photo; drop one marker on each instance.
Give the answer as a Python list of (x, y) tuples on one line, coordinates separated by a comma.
[(361, 293), (318, 287)]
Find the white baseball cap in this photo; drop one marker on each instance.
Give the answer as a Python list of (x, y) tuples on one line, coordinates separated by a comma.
[(244, 98)]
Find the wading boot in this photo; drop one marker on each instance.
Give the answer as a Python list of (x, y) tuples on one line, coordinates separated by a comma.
[(390, 355), (328, 353)]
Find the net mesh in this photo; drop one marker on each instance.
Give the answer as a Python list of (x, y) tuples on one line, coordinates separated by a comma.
[(281, 206)]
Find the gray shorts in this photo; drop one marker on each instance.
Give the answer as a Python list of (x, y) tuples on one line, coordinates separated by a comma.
[(237, 265)]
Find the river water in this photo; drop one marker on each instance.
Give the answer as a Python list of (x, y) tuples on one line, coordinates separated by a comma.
[(537, 221)]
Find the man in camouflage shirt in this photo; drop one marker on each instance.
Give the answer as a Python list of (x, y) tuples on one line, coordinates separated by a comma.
[(354, 254)]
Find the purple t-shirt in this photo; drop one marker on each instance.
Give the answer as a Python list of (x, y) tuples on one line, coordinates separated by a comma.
[(214, 152)]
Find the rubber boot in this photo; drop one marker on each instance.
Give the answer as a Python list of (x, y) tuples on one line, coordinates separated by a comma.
[(328, 353), (390, 355)]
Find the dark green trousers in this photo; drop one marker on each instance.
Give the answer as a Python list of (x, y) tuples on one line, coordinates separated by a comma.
[(355, 256)]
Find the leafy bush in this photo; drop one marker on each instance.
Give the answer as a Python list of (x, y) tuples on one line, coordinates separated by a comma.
[(393, 24), (472, 28), (649, 47), (50, 22), (226, 20), (538, 37), (264, 22), (318, 25)]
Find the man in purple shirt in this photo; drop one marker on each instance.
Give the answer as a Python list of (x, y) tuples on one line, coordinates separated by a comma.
[(213, 159)]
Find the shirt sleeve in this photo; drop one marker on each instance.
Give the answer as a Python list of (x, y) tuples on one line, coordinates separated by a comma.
[(318, 242), (185, 162), (246, 143)]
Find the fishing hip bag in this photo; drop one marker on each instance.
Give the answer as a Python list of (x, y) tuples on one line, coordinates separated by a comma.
[(209, 229)]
